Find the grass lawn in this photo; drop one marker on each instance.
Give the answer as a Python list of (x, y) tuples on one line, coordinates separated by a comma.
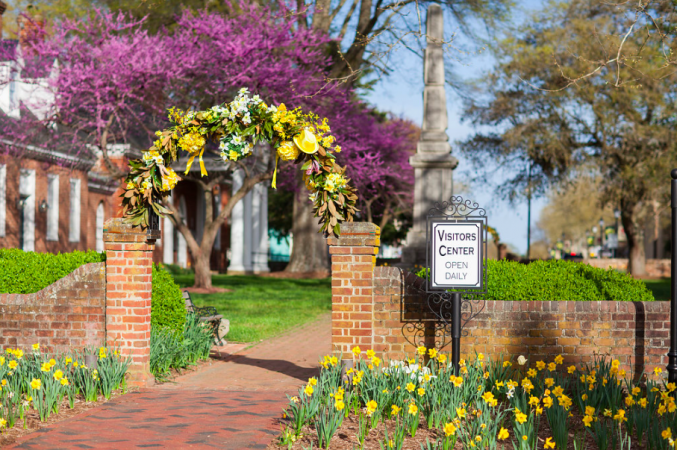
[(660, 288), (261, 307)]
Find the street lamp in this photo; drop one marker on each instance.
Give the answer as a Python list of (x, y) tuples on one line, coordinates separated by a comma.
[(617, 215), (672, 353), (601, 236)]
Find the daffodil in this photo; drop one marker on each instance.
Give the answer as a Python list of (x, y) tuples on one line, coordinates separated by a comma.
[(449, 429)]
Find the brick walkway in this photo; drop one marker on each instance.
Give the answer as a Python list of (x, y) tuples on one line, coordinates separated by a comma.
[(232, 404)]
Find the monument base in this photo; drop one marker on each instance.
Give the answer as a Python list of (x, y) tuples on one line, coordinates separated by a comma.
[(414, 252)]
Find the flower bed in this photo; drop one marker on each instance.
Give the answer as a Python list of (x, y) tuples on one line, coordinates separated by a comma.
[(38, 386), (422, 404), (170, 349)]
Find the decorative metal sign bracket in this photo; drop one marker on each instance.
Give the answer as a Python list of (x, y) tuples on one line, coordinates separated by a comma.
[(456, 298)]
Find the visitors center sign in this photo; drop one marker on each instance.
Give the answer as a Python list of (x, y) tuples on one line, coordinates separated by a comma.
[(456, 254), (457, 238)]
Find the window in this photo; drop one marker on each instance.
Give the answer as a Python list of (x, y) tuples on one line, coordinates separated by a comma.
[(74, 230), (52, 207), (99, 227), (3, 198)]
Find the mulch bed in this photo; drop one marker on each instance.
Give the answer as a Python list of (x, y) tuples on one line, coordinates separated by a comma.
[(33, 423), (212, 290), (296, 275), (346, 436)]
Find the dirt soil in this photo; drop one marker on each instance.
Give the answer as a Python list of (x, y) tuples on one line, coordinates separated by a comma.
[(297, 275), (346, 437), (212, 290)]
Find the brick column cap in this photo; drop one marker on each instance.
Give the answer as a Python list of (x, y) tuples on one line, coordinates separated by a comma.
[(357, 234), (119, 230)]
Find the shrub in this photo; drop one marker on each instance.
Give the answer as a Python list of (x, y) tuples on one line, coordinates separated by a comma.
[(168, 309), (559, 280), (28, 272), (175, 269)]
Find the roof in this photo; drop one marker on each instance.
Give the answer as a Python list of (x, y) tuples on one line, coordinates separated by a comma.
[(39, 145), (102, 183)]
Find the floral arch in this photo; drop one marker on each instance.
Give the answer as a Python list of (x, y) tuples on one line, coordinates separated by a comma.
[(302, 138)]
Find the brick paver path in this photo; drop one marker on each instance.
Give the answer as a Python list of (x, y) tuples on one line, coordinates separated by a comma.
[(232, 404)]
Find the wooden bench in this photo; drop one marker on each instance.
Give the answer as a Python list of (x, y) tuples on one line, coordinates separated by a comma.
[(205, 314)]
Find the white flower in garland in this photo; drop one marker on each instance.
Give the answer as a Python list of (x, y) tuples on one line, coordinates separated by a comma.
[(153, 157)]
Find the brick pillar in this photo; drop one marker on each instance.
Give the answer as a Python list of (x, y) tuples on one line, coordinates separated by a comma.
[(353, 258), (129, 274)]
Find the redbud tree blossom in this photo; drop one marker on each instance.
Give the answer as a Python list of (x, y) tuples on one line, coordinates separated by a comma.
[(113, 83)]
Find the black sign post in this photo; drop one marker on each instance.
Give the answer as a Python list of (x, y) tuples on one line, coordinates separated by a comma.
[(672, 354), (456, 258)]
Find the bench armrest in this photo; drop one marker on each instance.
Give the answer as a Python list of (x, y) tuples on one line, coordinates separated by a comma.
[(205, 311)]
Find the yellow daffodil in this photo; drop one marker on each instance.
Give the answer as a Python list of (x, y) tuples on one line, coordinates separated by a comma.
[(503, 434), (371, 407), (449, 429)]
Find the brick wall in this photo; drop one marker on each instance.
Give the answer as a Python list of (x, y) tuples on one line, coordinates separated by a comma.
[(67, 314), (386, 309)]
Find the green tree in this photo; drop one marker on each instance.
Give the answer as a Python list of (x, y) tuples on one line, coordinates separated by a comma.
[(541, 114), (573, 210)]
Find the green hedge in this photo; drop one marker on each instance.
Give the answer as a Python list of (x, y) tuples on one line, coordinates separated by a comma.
[(28, 272), (168, 309), (560, 280)]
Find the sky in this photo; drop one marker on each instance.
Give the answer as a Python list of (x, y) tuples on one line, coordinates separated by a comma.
[(402, 94)]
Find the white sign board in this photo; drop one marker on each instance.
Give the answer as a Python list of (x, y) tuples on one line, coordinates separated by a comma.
[(456, 255)]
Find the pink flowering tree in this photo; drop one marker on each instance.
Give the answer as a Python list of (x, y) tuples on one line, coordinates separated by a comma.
[(114, 84)]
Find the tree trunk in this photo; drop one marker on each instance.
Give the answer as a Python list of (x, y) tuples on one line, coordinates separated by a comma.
[(309, 253), (203, 275), (635, 235)]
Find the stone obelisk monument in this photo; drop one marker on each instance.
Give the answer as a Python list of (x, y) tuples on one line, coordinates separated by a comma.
[(432, 163)]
